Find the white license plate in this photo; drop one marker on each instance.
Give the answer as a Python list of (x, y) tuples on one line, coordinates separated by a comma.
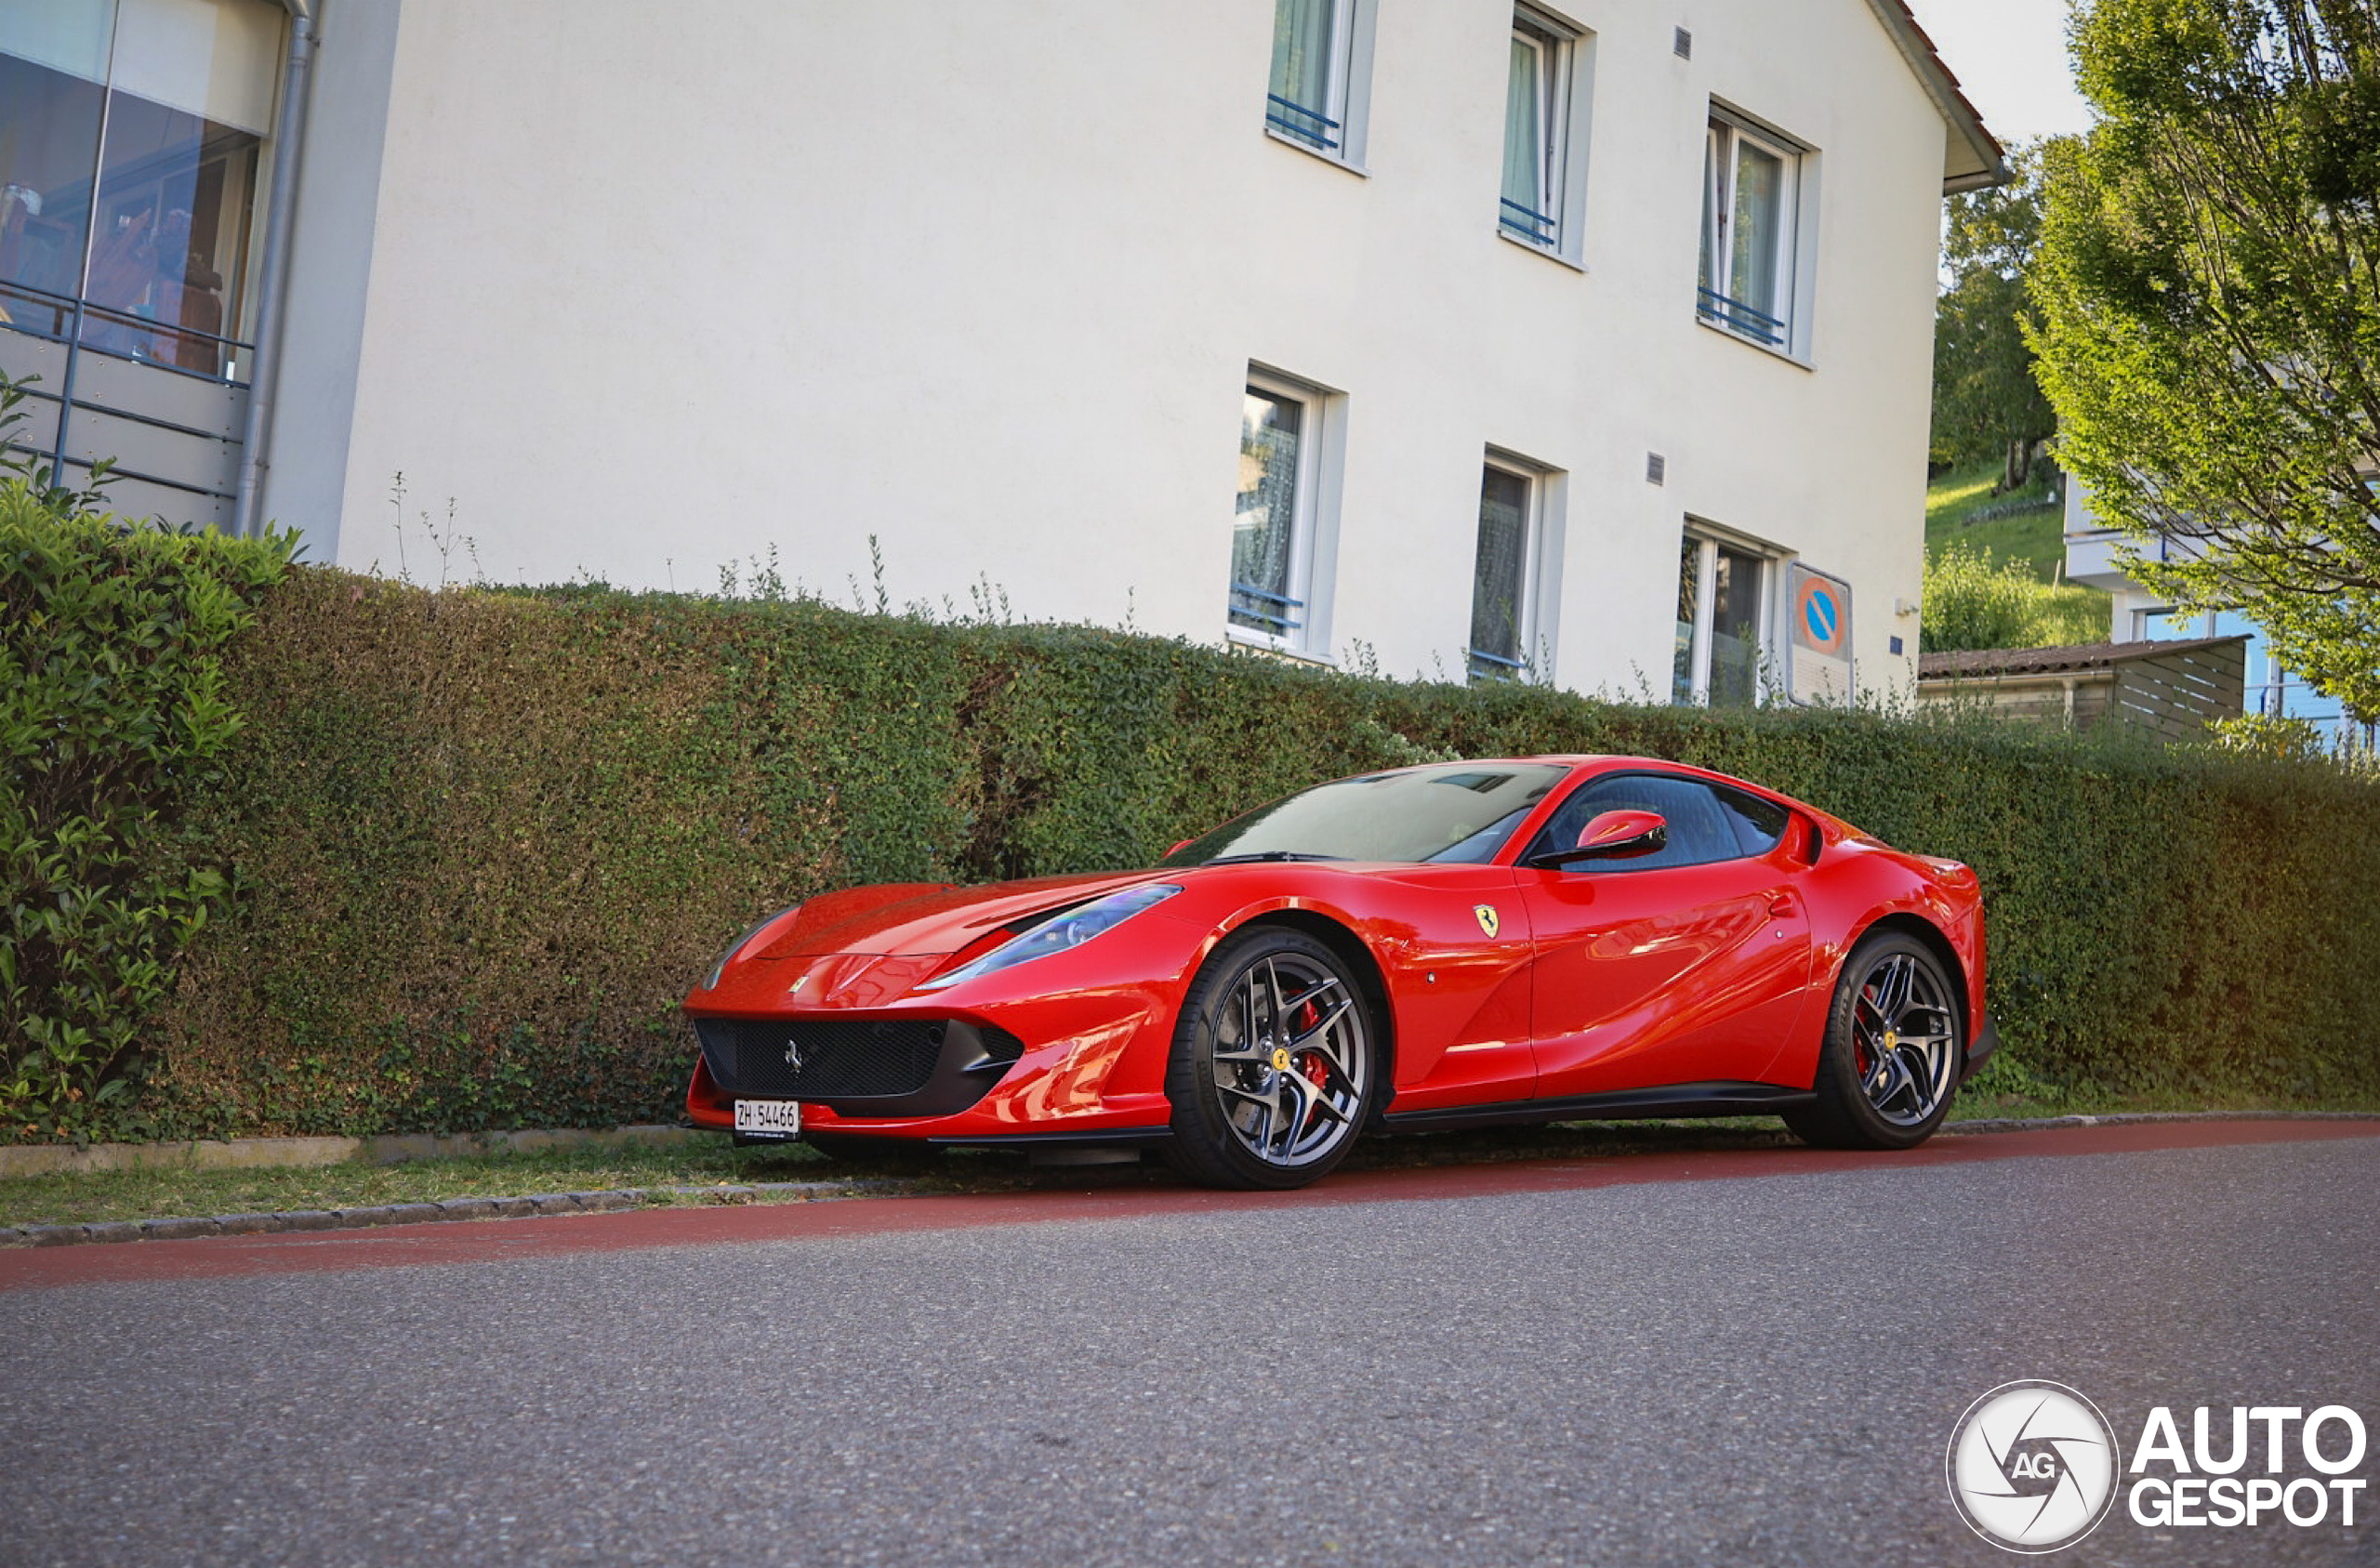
[(780, 1117)]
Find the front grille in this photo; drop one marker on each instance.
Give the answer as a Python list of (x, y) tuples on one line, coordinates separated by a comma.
[(837, 1060)]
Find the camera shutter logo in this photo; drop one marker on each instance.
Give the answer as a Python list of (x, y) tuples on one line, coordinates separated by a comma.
[(2032, 1467)]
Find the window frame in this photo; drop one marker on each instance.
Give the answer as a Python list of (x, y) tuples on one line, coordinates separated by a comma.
[(1708, 541), (1719, 299), (1555, 85), (1531, 611), (1312, 511), (1346, 110)]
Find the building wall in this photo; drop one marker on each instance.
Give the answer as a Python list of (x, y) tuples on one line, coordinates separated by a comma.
[(655, 288)]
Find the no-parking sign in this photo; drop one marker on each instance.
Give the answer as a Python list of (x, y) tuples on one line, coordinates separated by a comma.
[(1818, 651)]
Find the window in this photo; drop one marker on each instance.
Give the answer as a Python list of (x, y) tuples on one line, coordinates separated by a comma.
[(1702, 828), (1751, 193), (1321, 57), (1722, 605), (1505, 584), (1537, 132), (130, 134), (1278, 518)]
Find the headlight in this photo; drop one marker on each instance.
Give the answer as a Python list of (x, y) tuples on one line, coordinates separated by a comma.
[(1068, 928), (737, 945)]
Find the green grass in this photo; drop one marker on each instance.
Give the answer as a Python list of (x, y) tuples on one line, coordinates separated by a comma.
[(83, 1197), (2036, 535), (91, 1198)]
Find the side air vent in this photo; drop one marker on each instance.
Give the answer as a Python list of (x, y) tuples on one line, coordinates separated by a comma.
[(1657, 469), (1683, 44)]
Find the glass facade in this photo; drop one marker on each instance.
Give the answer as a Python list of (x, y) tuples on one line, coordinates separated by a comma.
[(131, 141)]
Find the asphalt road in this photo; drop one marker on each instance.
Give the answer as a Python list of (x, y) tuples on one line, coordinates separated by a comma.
[(1748, 1359)]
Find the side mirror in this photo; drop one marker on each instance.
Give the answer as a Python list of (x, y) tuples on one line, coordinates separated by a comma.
[(1611, 835)]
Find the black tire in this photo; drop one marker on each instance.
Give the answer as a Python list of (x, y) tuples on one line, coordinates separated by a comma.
[(1894, 1037), (1274, 1068), (859, 1149)]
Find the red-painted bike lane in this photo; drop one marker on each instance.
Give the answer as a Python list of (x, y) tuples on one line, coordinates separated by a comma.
[(497, 1241)]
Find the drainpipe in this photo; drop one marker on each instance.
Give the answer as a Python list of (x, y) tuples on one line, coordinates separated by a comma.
[(269, 274)]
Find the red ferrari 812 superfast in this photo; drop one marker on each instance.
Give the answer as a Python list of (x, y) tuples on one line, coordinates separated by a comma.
[(1454, 945)]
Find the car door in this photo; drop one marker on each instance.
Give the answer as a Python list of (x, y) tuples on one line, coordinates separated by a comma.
[(1686, 965)]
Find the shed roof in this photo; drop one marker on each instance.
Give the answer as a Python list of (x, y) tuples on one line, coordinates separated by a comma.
[(2054, 661), (1972, 157)]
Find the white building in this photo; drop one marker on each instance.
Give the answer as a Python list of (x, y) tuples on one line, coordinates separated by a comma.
[(1563, 338), (2093, 556)]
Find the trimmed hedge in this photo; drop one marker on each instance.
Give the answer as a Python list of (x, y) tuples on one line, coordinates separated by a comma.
[(483, 840)]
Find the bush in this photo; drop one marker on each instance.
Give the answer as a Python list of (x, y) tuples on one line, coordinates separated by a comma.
[(1972, 602), (482, 841), (111, 712)]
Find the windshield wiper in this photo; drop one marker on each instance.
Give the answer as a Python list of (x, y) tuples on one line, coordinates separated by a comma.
[(1270, 855)]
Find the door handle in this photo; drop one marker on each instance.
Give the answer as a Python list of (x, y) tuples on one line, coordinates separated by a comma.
[(1780, 905)]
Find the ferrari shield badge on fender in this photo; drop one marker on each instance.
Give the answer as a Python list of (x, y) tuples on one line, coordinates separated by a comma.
[(1486, 912)]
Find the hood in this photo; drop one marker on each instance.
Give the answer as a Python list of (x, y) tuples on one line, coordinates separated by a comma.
[(925, 919)]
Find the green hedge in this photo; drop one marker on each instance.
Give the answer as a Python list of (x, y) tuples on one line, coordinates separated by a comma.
[(481, 841)]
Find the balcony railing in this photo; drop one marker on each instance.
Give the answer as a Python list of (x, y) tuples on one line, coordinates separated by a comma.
[(185, 429), (1296, 121), (1737, 316)]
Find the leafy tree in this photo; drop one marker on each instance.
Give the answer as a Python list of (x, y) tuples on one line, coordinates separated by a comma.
[(2208, 283), (1987, 403)]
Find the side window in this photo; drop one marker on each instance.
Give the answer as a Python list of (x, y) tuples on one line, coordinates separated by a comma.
[(1701, 830), (1759, 823)]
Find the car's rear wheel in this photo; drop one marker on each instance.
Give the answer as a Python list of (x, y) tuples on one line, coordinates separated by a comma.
[(1273, 1070), (1890, 1062)]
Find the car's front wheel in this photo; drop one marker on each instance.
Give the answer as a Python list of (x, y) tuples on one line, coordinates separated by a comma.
[(1891, 1058), (1273, 1070)]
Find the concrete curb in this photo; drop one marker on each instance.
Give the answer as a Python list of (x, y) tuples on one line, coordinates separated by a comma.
[(807, 1191), (259, 1154)]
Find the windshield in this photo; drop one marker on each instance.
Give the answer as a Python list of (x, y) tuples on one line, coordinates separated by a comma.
[(1461, 811)]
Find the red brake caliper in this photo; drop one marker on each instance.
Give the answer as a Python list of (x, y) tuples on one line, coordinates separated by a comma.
[(1861, 1059), (1306, 1018)]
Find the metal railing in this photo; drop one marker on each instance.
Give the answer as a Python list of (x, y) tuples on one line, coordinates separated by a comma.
[(1737, 316), (1276, 621), (70, 318), (1497, 666), (1309, 125), (1528, 223)]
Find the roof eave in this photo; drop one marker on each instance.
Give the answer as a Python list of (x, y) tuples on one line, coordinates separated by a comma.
[(1985, 161)]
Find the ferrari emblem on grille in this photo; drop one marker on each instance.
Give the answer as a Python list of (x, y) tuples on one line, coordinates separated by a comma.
[(793, 1055), (1486, 912)]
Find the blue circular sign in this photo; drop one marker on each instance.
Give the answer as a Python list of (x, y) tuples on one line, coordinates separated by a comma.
[(1821, 613)]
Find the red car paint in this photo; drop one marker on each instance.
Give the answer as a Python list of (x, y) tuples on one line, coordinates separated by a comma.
[(1502, 983)]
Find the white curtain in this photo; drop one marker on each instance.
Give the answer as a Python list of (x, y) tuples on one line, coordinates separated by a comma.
[(1302, 58), (1524, 128)]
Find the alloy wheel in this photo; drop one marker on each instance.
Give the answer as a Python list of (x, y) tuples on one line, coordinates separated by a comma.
[(1903, 1047), (1290, 1059)]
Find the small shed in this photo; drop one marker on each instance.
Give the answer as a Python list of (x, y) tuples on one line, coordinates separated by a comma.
[(2172, 690)]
